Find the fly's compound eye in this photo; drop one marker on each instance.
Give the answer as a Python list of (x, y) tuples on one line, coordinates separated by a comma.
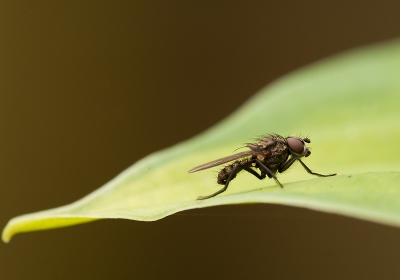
[(296, 145)]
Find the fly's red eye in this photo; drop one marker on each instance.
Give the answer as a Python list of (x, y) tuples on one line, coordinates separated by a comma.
[(295, 145)]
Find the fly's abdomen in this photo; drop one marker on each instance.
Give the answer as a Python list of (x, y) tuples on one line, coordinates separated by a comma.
[(223, 175), (233, 169)]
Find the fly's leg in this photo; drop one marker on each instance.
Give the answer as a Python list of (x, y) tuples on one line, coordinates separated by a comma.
[(313, 173), (235, 170), (251, 171), (287, 164), (266, 169)]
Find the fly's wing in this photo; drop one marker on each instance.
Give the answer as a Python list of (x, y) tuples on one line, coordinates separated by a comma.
[(222, 161)]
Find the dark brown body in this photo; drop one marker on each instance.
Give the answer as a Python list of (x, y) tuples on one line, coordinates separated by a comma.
[(272, 151), (270, 155)]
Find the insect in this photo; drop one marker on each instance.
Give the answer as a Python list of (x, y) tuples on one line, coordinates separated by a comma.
[(271, 154)]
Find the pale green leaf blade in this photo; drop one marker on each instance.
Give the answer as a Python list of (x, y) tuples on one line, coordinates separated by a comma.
[(349, 105)]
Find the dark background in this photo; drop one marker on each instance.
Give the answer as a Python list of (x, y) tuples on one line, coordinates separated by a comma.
[(89, 87)]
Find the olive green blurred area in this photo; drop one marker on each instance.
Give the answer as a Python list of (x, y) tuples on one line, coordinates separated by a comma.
[(90, 87)]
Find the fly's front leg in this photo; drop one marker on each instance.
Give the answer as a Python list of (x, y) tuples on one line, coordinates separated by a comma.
[(235, 170), (313, 173), (287, 164), (266, 169)]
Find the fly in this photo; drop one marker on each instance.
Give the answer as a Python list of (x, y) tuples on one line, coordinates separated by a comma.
[(270, 155)]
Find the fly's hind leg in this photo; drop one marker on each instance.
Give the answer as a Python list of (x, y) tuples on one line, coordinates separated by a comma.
[(235, 170)]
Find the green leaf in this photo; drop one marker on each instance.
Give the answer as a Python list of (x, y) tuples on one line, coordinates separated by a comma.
[(348, 104)]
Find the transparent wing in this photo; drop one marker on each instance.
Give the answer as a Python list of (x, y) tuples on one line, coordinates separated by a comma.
[(222, 161)]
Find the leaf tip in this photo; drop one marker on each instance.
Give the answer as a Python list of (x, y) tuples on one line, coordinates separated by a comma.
[(8, 232), (35, 221)]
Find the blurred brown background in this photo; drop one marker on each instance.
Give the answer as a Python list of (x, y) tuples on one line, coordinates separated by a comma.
[(90, 87)]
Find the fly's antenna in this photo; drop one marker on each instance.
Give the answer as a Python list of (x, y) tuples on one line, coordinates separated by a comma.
[(307, 138)]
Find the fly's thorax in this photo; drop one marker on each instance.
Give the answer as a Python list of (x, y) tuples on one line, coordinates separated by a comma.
[(266, 143), (269, 145), (277, 157), (275, 154), (273, 168)]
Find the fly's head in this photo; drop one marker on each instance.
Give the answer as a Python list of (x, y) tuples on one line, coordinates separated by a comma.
[(298, 147)]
